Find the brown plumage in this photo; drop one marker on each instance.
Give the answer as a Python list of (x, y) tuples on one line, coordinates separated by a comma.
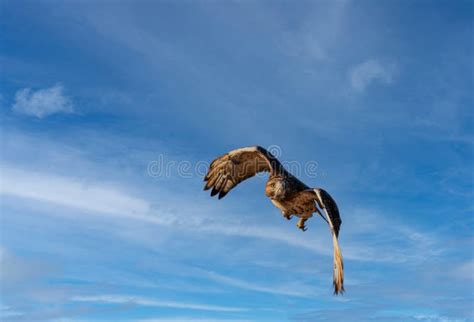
[(285, 191)]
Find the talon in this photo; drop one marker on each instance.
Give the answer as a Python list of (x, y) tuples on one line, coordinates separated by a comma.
[(301, 224), (288, 217)]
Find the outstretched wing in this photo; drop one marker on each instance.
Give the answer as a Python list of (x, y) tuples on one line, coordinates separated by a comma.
[(229, 170), (327, 203)]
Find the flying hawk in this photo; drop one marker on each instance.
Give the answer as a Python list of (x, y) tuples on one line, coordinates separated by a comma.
[(285, 191)]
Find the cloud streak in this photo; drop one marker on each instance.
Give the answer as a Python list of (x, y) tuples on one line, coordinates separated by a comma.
[(101, 200), (289, 290), (144, 301), (70, 192)]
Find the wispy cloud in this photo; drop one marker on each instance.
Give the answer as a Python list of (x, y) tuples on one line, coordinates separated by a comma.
[(291, 290), (42, 102), (316, 37), (6, 312), (303, 45), (465, 271), (102, 200), (363, 74), (81, 217), (178, 318), (436, 318), (96, 199), (70, 192), (144, 301), (16, 271)]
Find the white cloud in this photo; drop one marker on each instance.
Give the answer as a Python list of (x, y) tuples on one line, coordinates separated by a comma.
[(362, 75), (143, 301), (42, 102)]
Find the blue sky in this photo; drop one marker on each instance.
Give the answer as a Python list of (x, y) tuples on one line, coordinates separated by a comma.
[(378, 94)]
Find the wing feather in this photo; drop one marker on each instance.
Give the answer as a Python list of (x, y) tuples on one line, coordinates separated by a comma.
[(229, 170)]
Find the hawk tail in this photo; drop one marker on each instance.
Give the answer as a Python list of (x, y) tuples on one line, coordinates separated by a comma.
[(338, 275), (327, 203)]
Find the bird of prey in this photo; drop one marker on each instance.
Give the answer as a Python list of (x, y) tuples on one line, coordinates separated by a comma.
[(285, 191)]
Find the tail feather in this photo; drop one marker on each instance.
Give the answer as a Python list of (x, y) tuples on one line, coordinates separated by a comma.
[(338, 275), (331, 211)]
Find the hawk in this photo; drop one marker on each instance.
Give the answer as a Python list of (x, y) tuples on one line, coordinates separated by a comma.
[(285, 191)]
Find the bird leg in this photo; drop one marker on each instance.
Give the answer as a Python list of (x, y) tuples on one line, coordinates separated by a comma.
[(301, 225), (287, 215)]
